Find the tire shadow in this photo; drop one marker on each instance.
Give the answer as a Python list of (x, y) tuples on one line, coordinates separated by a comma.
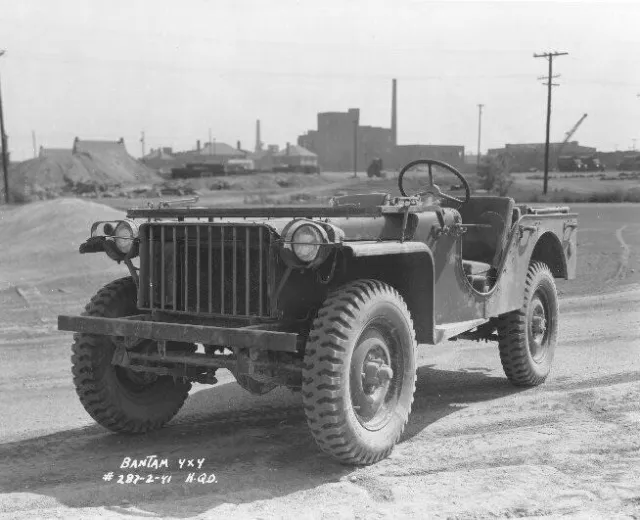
[(258, 447)]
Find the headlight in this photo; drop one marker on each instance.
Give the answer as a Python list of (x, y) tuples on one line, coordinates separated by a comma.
[(306, 243), (124, 236)]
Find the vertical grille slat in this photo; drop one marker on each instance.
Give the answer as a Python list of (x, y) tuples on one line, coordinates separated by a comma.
[(162, 266), (198, 268), (151, 261), (186, 270), (174, 281), (222, 270), (234, 269), (260, 277), (222, 287), (210, 277), (247, 271)]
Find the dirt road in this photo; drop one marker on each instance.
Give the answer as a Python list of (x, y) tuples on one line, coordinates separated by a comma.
[(475, 447)]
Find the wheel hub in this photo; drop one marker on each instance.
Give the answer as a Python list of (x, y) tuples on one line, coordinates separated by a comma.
[(375, 374), (371, 377), (537, 328)]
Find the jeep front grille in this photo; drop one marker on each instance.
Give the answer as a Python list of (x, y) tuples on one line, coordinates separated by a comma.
[(205, 268)]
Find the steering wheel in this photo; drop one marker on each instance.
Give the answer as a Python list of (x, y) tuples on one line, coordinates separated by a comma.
[(432, 188)]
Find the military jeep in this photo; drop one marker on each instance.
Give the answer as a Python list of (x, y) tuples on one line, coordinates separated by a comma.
[(331, 301)]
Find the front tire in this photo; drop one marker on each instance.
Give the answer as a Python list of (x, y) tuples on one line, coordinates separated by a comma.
[(359, 372), (119, 399), (528, 336)]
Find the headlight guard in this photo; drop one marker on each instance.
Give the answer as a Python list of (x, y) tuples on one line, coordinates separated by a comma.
[(305, 243)]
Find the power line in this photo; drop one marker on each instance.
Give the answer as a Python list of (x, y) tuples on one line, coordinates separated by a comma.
[(549, 56)]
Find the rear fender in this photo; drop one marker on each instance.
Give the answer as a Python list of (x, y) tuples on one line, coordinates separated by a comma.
[(535, 238)]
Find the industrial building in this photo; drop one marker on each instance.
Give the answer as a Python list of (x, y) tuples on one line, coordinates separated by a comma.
[(333, 141), (339, 135), (530, 156)]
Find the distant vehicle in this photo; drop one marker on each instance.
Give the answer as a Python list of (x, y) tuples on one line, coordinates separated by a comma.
[(239, 166), (375, 168), (568, 163), (592, 163)]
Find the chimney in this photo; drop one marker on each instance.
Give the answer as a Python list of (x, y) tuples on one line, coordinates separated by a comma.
[(394, 113), (198, 145), (258, 141), (239, 145)]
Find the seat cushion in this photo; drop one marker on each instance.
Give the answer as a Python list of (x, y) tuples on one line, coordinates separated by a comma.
[(473, 268)]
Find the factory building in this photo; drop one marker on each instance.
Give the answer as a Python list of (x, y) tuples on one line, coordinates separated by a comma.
[(339, 134), (530, 156)]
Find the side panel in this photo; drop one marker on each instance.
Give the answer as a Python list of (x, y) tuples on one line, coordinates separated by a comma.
[(452, 299), (548, 238)]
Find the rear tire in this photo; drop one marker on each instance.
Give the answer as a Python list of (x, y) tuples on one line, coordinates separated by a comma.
[(359, 372), (116, 397), (528, 336)]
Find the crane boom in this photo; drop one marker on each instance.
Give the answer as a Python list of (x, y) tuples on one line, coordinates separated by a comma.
[(570, 133)]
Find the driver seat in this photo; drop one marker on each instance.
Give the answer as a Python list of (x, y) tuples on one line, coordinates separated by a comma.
[(483, 248)]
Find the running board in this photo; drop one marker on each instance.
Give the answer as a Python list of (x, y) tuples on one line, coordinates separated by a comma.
[(450, 330)]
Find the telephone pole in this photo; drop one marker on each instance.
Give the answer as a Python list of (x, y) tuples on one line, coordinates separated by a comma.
[(355, 146), (142, 143), (549, 56), (479, 135), (3, 145)]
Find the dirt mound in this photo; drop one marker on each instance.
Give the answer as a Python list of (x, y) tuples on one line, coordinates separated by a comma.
[(49, 176), (43, 238)]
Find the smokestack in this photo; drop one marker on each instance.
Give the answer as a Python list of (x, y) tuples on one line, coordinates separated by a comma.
[(394, 112), (288, 148), (258, 141), (239, 145), (198, 145)]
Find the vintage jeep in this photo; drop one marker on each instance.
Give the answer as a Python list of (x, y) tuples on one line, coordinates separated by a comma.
[(329, 300)]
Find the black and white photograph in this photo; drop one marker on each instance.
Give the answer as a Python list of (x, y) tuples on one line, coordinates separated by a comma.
[(319, 260)]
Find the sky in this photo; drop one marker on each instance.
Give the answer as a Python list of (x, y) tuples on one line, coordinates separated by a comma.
[(177, 70)]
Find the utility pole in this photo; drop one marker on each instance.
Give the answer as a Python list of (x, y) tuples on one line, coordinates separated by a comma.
[(3, 144), (142, 144), (355, 147), (33, 141), (479, 135), (549, 56)]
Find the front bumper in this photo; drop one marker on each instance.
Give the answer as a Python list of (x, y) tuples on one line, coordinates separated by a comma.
[(239, 337)]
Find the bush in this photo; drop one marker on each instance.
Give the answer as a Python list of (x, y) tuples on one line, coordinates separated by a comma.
[(495, 174)]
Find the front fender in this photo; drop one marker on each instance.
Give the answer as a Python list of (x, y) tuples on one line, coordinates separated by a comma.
[(406, 266)]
